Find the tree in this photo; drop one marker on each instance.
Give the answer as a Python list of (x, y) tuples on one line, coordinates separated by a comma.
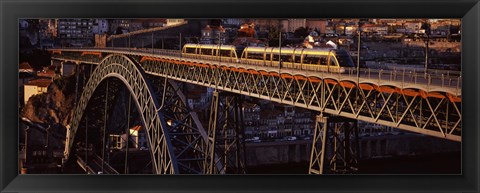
[(119, 30), (301, 32), (426, 27), (273, 36)]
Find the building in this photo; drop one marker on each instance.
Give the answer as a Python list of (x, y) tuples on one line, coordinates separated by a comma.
[(233, 22), (34, 87), (22, 24), (317, 24), (273, 122), (119, 26), (290, 25), (412, 27), (171, 22), (375, 29), (137, 139), (136, 25), (151, 23), (47, 32), (100, 40), (213, 35), (75, 32), (47, 73), (25, 67), (100, 26)]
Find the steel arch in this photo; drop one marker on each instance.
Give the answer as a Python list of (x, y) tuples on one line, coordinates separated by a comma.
[(133, 76)]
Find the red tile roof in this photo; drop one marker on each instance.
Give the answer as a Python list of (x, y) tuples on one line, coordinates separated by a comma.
[(47, 73), (39, 82), (25, 66), (136, 128)]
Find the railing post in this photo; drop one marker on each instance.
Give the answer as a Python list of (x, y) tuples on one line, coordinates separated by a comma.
[(380, 74), (429, 81), (442, 79), (458, 83)]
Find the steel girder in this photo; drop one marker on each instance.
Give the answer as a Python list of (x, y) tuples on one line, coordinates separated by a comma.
[(430, 115), (187, 134), (435, 115), (225, 145), (334, 146), (132, 75)]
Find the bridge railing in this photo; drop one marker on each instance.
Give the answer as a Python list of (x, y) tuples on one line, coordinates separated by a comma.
[(411, 76), (404, 76)]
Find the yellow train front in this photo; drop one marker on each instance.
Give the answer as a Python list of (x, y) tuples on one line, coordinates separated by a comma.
[(319, 59)]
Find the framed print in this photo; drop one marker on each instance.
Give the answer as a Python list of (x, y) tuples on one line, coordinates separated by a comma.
[(284, 96)]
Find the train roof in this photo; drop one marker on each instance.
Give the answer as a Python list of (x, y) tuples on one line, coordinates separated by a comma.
[(210, 46), (289, 50)]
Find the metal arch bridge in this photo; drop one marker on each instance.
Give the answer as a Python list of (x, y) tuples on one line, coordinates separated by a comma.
[(427, 103)]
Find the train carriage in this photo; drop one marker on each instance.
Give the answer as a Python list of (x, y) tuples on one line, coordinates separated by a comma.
[(327, 60), (210, 52), (319, 59)]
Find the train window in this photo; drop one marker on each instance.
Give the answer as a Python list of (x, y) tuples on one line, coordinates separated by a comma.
[(275, 57), (345, 60), (323, 61), (298, 58), (287, 58), (190, 50), (332, 61), (225, 53), (206, 51), (311, 59), (255, 56), (268, 57)]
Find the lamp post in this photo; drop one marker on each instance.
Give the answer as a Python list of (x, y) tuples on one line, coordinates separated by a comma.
[(27, 156), (180, 42), (426, 55), (279, 51), (358, 54), (219, 47)]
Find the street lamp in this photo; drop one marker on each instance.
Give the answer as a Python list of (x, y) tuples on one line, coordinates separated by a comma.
[(358, 54), (426, 55)]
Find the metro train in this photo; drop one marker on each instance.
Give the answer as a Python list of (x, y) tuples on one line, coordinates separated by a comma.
[(319, 59)]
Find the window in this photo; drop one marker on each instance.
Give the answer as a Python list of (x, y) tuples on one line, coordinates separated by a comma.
[(345, 60), (190, 50), (225, 53), (332, 61), (255, 56), (206, 51), (312, 59), (287, 58), (275, 57), (298, 58), (323, 61), (268, 56)]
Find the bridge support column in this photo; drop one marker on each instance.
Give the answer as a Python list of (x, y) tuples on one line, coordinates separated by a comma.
[(334, 146), (225, 144)]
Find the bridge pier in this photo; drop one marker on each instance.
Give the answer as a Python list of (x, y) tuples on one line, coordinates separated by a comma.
[(225, 144), (334, 145)]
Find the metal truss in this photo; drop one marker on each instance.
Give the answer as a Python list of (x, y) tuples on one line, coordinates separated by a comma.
[(187, 133), (225, 145), (435, 114), (334, 146), (131, 74)]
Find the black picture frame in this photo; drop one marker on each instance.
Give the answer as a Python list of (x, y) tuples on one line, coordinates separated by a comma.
[(11, 11)]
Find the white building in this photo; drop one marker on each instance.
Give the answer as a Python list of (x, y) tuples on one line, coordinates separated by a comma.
[(34, 87), (137, 138), (100, 26), (174, 21)]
